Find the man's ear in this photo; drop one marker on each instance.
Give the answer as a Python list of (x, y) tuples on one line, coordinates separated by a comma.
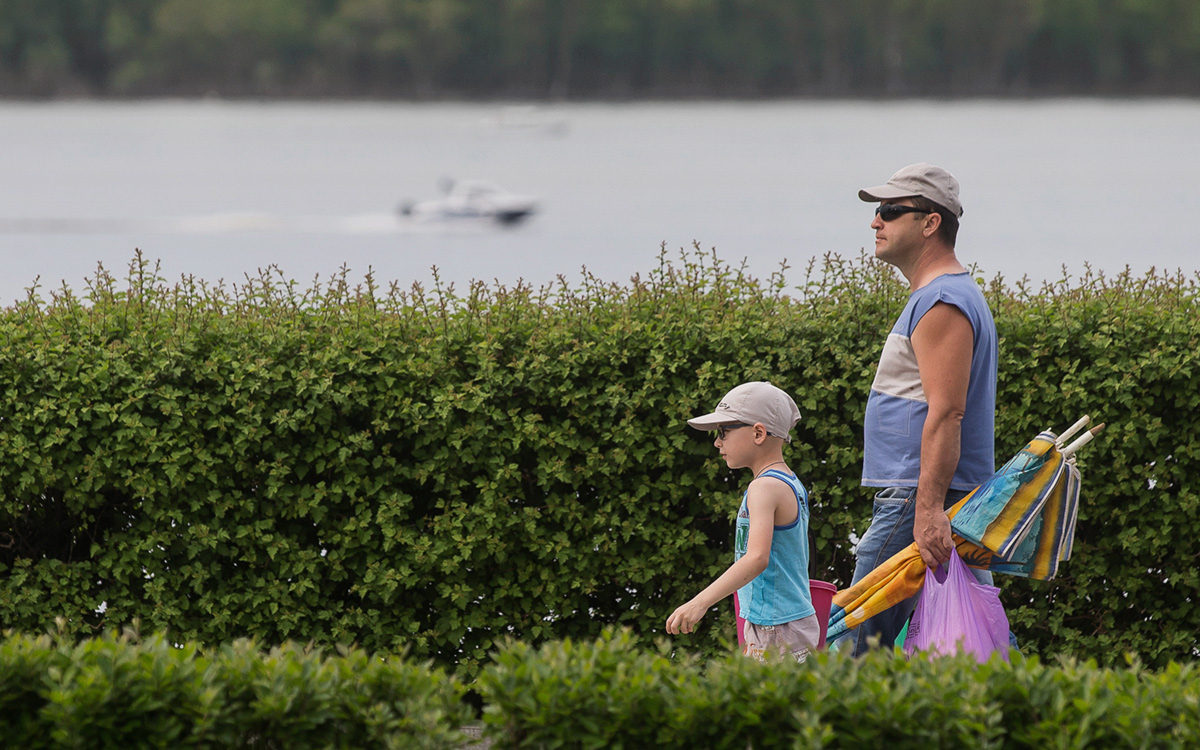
[(933, 222)]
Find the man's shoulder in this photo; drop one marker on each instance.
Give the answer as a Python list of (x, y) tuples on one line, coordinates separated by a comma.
[(961, 283), (955, 290)]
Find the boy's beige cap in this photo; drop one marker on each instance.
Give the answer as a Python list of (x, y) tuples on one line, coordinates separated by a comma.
[(921, 179), (750, 403)]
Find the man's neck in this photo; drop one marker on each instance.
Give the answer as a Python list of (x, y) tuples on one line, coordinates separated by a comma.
[(935, 262)]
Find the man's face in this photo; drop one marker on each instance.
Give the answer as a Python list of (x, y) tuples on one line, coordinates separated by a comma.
[(900, 238)]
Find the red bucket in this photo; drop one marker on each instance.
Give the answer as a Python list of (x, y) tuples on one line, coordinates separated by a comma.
[(822, 599)]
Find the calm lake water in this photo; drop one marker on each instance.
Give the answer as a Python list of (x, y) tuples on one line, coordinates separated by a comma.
[(218, 190)]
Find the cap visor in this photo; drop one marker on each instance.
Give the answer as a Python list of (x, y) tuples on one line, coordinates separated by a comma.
[(709, 421), (884, 193)]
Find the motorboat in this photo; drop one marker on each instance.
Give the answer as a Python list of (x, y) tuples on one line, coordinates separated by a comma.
[(472, 199), (524, 119)]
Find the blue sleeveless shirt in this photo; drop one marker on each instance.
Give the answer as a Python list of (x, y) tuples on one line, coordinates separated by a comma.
[(897, 407), (780, 593)]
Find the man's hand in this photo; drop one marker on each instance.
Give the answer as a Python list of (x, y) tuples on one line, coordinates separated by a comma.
[(932, 534), (684, 619)]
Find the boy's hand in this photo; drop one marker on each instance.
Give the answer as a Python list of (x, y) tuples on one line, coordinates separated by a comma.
[(684, 619)]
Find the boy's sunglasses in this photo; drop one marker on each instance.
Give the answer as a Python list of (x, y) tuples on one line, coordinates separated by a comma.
[(892, 211), (724, 428)]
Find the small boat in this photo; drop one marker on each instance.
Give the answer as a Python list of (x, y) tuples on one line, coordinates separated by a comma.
[(473, 199), (527, 119)]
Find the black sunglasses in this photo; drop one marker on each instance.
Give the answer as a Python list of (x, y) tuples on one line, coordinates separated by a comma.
[(724, 428), (892, 211)]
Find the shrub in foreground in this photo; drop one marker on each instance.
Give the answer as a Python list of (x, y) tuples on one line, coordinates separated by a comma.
[(121, 691), (613, 693)]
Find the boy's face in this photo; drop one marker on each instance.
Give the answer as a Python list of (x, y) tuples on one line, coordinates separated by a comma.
[(736, 444)]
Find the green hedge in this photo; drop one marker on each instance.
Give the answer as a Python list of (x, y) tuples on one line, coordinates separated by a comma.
[(613, 693), (436, 471), (123, 692)]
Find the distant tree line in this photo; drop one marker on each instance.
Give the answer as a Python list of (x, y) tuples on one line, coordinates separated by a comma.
[(598, 48)]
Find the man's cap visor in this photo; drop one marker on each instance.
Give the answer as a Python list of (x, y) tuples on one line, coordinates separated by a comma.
[(884, 193)]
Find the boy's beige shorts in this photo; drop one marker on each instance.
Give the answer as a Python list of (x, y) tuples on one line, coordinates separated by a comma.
[(796, 638)]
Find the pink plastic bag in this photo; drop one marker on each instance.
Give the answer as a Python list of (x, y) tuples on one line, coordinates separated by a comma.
[(958, 613)]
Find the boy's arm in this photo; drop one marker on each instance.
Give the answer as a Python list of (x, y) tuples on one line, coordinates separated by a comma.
[(761, 501)]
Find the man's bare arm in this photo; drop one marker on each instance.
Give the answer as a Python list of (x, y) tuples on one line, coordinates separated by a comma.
[(942, 342)]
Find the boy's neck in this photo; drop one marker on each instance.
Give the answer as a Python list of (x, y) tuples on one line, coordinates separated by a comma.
[(767, 462)]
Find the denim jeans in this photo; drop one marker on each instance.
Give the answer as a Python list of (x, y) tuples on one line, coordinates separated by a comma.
[(891, 530)]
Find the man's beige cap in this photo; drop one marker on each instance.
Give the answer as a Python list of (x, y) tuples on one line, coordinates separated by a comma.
[(922, 179), (751, 403)]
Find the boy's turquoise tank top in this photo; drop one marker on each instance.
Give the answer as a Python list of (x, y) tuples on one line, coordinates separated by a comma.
[(781, 592)]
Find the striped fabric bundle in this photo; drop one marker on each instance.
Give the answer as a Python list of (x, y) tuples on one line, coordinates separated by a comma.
[(1019, 522)]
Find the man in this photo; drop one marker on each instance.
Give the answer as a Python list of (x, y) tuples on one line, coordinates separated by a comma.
[(929, 424)]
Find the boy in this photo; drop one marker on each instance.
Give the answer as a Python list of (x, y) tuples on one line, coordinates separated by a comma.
[(770, 569)]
